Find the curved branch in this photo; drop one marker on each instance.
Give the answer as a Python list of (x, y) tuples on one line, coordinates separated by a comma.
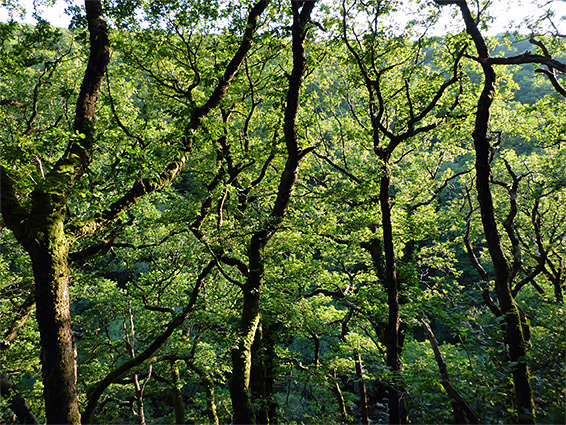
[(95, 392), (145, 186)]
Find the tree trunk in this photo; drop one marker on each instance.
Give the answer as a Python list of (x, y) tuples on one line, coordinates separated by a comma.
[(139, 399), (460, 405), (178, 404), (316, 359), (16, 402), (22, 314), (397, 409), (515, 327), (210, 400), (361, 387), (249, 322), (41, 232), (58, 355), (243, 412), (340, 399), (261, 378)]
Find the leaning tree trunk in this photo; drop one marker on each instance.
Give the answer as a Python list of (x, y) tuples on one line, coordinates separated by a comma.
[(515, 328), (243, 412), (16, 401), (460, 406)]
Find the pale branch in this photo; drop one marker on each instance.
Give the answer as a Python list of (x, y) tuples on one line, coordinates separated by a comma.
[(453, 393), (94, 393)]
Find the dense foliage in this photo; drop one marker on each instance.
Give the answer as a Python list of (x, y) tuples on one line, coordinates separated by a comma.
[(287, 230)]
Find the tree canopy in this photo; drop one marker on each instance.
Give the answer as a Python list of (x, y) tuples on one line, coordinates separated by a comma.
[(295, 212)]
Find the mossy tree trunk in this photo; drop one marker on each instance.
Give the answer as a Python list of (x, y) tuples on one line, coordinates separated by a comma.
[(361, 386), (41, 231), (261, 374), (210, 400), (177, 396), (243, 412)]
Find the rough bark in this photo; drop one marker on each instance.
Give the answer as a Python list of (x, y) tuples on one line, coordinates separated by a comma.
[(41, 232), (178, 404), (249, 321), (243, 412), (515, 327), (261, 374)]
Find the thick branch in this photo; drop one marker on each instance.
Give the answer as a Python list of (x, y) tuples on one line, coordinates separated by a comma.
[(148, 185), (529, 58)]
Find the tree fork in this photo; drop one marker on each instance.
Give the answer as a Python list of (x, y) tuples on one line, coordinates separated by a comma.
[(515, 327), (41, 232), (243, 412)]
